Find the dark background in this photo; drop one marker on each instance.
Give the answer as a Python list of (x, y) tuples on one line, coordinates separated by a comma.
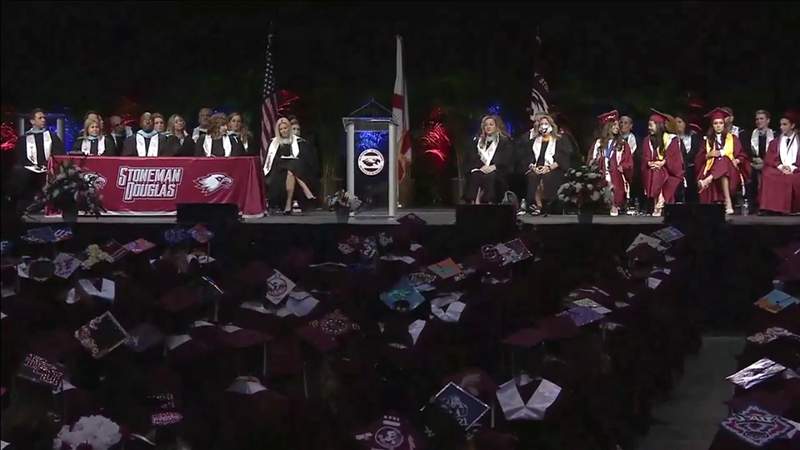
[(464, 57)]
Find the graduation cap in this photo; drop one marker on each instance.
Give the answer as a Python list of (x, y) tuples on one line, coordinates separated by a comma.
[(669, 234), (610, 116), (175, 236), (422, 281), (390, 432), (447, 307), (201, 233), (102, 288), (324, 333), (39, 370), (114, 249), (792, 115), (757, 426), (278, 287), (776, 301), (44, 235), (138, 246), (412, 219), (165, 418), (659, 117), (718, 113), (771, 334), (246, 385), (696, 127), (65, 265), (39, 269), (513, 251), (102, 335), (581, 315), (645, 239), (755, 373), (465, 408), (403, 296)]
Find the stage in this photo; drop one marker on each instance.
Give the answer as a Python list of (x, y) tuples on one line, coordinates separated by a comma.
[(433, 216)]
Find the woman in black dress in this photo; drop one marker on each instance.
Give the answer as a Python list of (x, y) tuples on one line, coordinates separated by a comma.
[(545, 157), (238, 131), (290, 163), (217, 143), (487, 166), (178, 138), (91, 142)]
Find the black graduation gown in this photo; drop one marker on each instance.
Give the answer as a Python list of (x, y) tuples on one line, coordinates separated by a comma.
[(304, 168), (129, 147), (110, 148), (688, 193), (218, 149), (178, 148), (56, 148), (25, 183), (492, 184), (551, 181), (119, 141)]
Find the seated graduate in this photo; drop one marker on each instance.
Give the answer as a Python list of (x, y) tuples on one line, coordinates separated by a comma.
[(690, 140), (721, 164), (92, 142), (177, 138), (146, 142), (780, 177), (38, 143), (546, 158), (612, 154), (662, 162), (238, 132), (217, 142), (488, 165), (290, 161), (203, 117)]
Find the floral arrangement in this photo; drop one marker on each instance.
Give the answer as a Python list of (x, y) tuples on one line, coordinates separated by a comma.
[(70, 189), (95, 255), (95, 432), (344, 200), (585, 186)]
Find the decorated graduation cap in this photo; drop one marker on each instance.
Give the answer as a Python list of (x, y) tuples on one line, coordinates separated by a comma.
[(718, 113), (102, 335), (324, 333), (465, 408), (391, 432), (607, 117), (43, 235), (403, 296), (40, 370)]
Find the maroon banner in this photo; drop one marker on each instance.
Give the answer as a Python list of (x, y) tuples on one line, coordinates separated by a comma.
[(150, 186)]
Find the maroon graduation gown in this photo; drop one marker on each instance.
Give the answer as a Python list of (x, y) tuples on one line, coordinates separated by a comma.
[(779, 192), (722, 167), (617, 180), (666, 179)]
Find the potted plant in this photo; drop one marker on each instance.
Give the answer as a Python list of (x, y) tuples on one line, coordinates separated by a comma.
[(585, 189), (69, 190), (343, 203)]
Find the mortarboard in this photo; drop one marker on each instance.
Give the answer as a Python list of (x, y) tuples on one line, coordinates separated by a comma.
[(757, 426), (39, 269), (668, 234), (776, 301), (403, 296), (114, 249), (65, 265), (792, 115), (390, 432), (659, 117), (43, 235), (465, 408), (175, 236), (717, 113), (756, 373), (144, 336), (445, 269), (41, 371), (138, 246), (102, 335), (278, 287), (610, 116), (201, 233), (696, 128), (324, 333), (581, 315), (411, 219)]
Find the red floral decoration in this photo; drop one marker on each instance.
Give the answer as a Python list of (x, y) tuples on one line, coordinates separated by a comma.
[(9, 137)]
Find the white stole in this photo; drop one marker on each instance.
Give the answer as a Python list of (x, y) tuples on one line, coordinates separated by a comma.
[(487, 153), (273, 150), (549, 152), (514, 408), (788, 154), (86, 146), (226, 145), (151, 150), (754, 140), (30, 144), (196, 133)]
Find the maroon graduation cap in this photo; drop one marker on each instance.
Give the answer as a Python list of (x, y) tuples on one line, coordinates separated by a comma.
[(390, 432), (102, 335), (324, 333)]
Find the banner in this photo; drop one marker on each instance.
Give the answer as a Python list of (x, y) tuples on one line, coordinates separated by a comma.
[(150, 186)]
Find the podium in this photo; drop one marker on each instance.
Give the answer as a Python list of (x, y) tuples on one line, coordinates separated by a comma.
[(372, 159)]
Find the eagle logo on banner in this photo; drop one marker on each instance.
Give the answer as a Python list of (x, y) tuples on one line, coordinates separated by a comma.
[(95, 179), (539, 93), (213, 182)]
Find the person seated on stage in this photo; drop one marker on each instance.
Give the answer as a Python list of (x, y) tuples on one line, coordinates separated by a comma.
[(729, 126), (119, 132), (780, 183), (690, 140), (238, 131), (290, 161), (201, 130), (546, 158), (93, 115), (721, 163), (92, 142), (159, 123), (662, 162), (488, 165), (758, 143), (33, 150), (217, 142), (177, 138), (612, 154), (147, 142)]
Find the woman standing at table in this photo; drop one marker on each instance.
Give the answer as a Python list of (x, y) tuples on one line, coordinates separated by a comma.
[(290, 162), (217, 143), (489, 163), (92, 142), (237, 130), (178, 139)]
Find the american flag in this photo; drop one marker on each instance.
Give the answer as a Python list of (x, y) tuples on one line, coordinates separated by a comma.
[(269, 109)]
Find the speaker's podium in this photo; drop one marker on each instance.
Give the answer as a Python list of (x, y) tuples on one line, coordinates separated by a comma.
[(371, 159)]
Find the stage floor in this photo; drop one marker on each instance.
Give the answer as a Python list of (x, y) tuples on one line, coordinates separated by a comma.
[(432, 216)]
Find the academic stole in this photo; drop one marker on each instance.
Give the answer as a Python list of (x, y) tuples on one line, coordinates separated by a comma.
[(727, 150)]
